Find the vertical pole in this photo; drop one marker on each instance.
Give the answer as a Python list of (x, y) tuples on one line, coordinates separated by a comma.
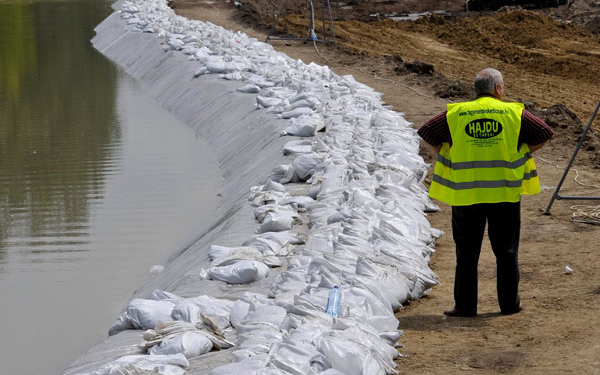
[(555, 195), (323, 20), (311, 25), (276, 19), (331, 19)]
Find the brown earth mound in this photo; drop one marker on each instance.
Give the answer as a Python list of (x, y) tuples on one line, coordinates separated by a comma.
[(543, 60), (527, 39)]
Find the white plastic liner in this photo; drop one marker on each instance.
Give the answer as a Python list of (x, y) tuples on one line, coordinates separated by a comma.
[(367, 231), (150, 364)]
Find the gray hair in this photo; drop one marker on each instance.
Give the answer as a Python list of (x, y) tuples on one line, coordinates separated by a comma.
[(486, 80)]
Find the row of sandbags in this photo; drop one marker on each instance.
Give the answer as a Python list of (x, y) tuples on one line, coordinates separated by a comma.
[(364, 208)]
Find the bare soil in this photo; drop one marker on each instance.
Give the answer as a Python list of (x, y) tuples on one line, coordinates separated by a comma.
[(550, 59)]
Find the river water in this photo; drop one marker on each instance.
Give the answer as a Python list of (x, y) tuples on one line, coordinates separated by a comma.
[(97, 184)]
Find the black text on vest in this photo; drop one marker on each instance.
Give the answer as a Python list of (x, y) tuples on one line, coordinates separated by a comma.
[(483, 128)]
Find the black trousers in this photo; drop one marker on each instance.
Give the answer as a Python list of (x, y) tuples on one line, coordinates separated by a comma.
[(468, 226)]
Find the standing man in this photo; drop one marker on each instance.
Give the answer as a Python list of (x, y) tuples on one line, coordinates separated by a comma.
[(484, 165)]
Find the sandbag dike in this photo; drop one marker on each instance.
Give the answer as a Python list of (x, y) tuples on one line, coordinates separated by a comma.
[(343, 207)]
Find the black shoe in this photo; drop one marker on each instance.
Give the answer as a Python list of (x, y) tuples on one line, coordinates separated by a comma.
[(519, 309), (455, 312)]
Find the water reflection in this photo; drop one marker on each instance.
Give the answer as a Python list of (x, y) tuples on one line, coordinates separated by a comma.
[(16, 21), (58, 134)]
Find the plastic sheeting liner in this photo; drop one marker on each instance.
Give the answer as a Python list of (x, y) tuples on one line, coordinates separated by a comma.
[(138, 364)]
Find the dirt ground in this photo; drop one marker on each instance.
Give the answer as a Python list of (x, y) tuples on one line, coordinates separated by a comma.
[(549, 61)]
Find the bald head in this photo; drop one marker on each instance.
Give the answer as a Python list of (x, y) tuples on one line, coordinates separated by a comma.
[(489, 81)]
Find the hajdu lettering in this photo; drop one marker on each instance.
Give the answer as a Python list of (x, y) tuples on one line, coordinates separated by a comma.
[(483, 128)]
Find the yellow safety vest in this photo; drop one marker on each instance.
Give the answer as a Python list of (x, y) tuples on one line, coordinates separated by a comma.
[(484, 163)]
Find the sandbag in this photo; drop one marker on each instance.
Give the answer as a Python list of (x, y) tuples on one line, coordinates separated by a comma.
[(267, 102), (190, 344), (297, 112), (239, 312), (242, 272), (297, 147), (186, 311), (283, 174), (144, 313), (215, 311), (304, 165), (349, 358), (249, 89), (276, 222), (304, 126)]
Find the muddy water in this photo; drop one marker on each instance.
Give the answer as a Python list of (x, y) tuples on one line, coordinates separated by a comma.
[(97, 184)]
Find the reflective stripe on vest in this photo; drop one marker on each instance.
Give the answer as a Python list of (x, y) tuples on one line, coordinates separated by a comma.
[(484, 165)]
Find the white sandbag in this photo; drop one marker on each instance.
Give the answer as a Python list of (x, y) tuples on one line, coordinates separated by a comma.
[(297, 202), (282, 237), (191, 344), (249, 89), (260, 198), (309, 102), (216, 67), (200, 71), (175, 364), (336, 217), (217, 251), (235, 254), (298, 358), (304, 126), (304, 165), (395, 286), (258, 81), (297, 147), (129, 8), (271, 185), (260, 213), (121, 324), (288, 283), (349, 358), (270, 315), (283, 174), (297, 112), (161, 295), (391, 337), (302, 96), (272, 261), (242, 272), (268, 247), (267, 102), (202, 54), (186, 311), (239, 312), (332, 371), (144, 313), (216, 309), (276, 222), (175, 44), (235, 76), (385, 354), (274, 243)]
